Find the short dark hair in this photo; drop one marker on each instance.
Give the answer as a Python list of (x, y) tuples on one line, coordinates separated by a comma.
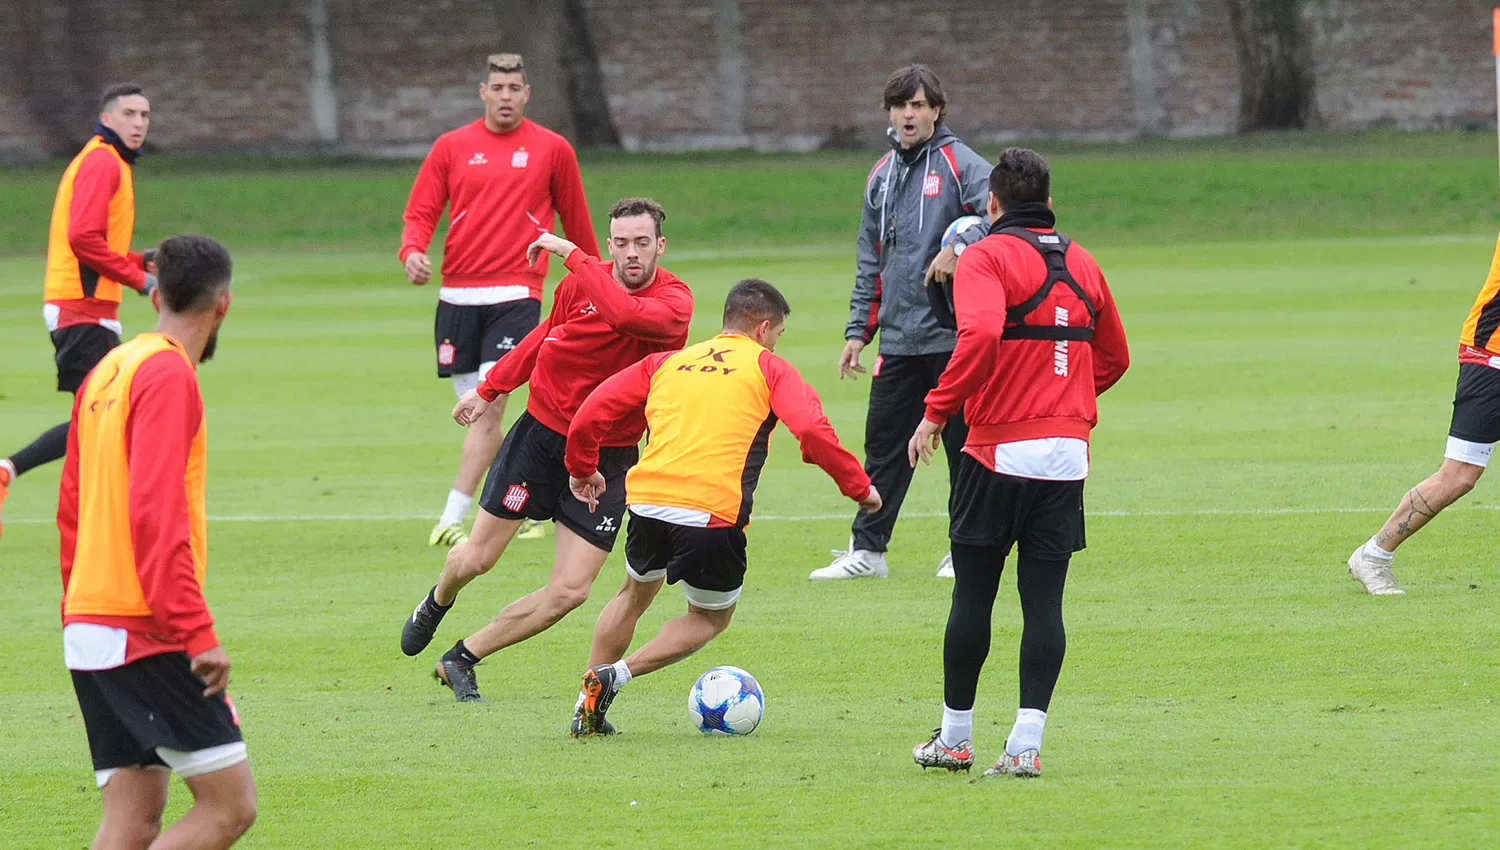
[(191, 271), (627, 207), (117, 91), (903, 83), (752, 301), (1021, 176), (505, 63)]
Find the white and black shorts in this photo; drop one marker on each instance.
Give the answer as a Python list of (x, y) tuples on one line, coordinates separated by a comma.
[(1043, 518), (467, 337), (710, 562), (1476, 415), (152, 713)]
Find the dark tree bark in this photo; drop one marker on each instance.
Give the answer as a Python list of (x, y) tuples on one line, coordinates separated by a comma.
[(1276, 77), (566, 83)]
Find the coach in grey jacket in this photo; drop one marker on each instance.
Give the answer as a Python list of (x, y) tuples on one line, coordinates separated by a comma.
[(926, 181)]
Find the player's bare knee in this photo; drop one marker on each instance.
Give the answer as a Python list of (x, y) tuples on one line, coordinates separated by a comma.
[(566, 596), (1458, 477)]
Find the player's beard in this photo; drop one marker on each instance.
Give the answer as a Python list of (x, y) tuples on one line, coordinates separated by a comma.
[(641, 278), (210, 347)]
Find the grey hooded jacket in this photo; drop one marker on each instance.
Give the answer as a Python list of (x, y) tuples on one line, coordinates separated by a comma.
[(910, 199)]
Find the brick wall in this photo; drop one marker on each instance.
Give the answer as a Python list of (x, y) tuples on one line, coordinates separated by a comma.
[(683, 74)]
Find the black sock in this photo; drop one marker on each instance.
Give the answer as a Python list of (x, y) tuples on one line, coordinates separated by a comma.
[(461, 654), (52, 445), (432, 600), (1044, 641), (966, 643)]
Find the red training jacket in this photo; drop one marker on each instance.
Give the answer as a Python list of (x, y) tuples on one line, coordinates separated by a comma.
[(166, 411), (501, 190), (1026, 389), (595, 329)]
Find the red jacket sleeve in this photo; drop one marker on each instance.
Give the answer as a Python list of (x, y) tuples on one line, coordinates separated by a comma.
[(796, 403), (95, 183), (1111, 355), (514, 369), (979, 303), (429, 195), (165, 414), (621, 395), (571, 203), (67, 498), (663, 318)]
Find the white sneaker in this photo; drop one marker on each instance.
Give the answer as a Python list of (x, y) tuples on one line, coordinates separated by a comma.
[(855, 563), (945, 566), (1373, 573)]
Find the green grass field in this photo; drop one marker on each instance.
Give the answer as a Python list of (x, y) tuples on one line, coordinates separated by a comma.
[(1292, 305)]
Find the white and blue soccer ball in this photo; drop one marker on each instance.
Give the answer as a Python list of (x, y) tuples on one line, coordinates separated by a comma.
[(958, 226), (726, 701)]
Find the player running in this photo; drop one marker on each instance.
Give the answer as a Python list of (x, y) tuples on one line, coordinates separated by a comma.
[(1039, 339), (604, 317), (138, 637), (501, 178), (1472, 434), (710, 410), (89, 261)]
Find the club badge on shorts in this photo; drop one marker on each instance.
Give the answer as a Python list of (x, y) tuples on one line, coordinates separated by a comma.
[(516, 497), (446, 353)]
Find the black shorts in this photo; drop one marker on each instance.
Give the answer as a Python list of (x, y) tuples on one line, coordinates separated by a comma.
[(710, 560), (529, 481), (79, 349), (469, 336), (1476, 404), (157, 701), (1043, 518)]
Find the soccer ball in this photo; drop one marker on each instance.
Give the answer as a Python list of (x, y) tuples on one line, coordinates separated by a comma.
[(958, 226), (726, 701)]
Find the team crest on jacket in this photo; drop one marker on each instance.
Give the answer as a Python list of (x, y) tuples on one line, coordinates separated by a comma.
[(933, 185), (516, 497), (445, 354), (519, 159)]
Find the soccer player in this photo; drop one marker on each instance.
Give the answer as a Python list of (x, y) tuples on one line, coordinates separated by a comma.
[(604, 317), (501, 177), (709, 410), (1472, 434), (1039, 339), (927, 180), (138, 637), (89, 261)]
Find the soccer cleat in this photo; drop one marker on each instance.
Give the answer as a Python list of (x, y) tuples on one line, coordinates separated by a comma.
[(532, 530), (1027, 765), (4, 491), (419, 628), (935, 754), (598, 692), (945, 566), (460, 677), (854, 563), (1374, 574), (447, 535), (578, 729)]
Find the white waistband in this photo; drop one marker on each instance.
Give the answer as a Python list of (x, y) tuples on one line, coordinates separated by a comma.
[(481, 296)]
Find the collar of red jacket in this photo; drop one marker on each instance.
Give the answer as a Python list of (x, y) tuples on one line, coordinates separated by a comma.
[(114, 140)]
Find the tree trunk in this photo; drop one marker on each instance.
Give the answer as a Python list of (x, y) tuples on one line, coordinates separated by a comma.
[(567, 87), (1276, 78)]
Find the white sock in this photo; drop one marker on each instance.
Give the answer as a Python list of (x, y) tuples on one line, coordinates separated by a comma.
[(958, 726), (622, 674), (458, 505), (1027, 733), (9, 467), (1374, 551)]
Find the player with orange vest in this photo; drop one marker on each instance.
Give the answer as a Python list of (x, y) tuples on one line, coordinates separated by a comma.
[(138, 637), (710, 409), (1472, 434), (89, 261)]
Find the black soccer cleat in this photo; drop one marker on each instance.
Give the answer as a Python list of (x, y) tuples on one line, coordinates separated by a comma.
[(453, 672), (577, 729), (598, 692), (417, 631)]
